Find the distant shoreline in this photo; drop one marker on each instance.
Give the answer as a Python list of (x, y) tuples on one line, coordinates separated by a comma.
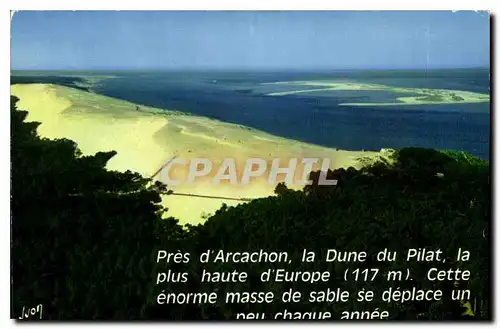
[(424, 96)]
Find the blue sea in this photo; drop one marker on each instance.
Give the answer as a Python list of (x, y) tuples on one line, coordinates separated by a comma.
[(240, 97)]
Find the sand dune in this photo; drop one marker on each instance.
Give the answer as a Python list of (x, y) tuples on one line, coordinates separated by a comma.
[(145, 140)]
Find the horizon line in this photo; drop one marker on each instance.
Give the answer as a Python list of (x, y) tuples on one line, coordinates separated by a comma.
[(163, 69)]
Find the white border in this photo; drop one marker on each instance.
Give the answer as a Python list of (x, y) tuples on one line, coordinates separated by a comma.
[(489, 5), (254, 5)]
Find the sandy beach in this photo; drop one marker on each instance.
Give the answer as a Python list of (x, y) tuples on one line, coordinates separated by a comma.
[(146, 138), (422, 96)]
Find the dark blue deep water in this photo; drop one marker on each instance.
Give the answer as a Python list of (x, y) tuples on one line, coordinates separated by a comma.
[(239, 97)]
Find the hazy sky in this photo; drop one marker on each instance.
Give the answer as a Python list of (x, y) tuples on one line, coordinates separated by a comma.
[(249, 40)]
